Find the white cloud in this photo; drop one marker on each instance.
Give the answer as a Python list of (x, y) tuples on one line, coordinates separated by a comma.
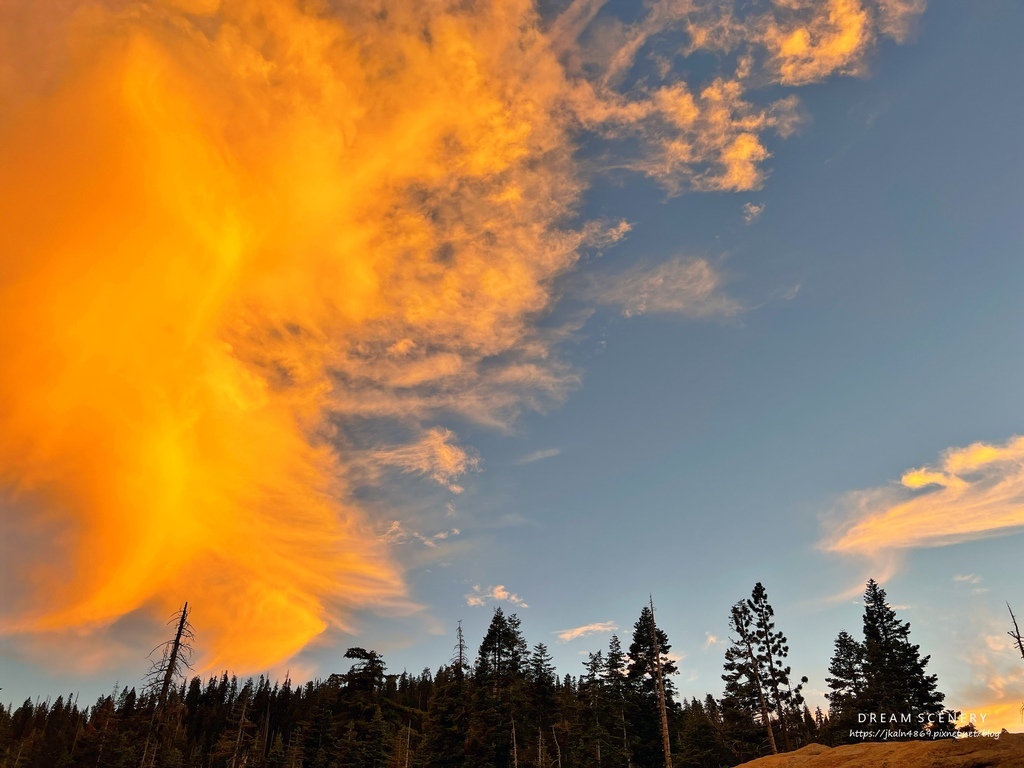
[(499, 594), (967, 578), (688, 287), (751, 212), (539, 455), (399, 534)]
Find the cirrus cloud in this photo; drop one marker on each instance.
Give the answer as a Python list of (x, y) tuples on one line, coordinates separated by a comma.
[(565, 635), (688, 287), (971, 492)]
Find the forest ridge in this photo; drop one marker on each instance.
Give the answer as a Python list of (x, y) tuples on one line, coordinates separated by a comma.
[(507, 706)]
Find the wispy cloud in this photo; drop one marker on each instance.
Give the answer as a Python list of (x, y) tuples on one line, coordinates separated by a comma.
[(400, 534), (971, 492), (972, 580), (711, 640), (714, 137), (565, 635), (539, 455), (996, 675), (752, 212), (499, 594), (435, 455), (688, 287)]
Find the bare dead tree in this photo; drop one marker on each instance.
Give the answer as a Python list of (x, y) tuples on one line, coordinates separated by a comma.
[(175, 657), (459, 659), (1018, 642)]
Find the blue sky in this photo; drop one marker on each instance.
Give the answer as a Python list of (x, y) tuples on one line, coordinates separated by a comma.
[(869, 309), (699, 457)]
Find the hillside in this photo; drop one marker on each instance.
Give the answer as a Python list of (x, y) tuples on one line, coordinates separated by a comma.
[(1007, 751)]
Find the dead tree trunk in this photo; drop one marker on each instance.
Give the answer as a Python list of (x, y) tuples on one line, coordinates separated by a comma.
[(661, 691), (1018, 642), (172, 661), (515, 747)]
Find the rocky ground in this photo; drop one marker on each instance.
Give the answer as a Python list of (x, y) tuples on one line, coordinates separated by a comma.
[(1006, 751)]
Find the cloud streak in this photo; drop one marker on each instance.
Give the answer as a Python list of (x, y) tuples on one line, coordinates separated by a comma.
[(400, 534), (539, 455), (598, 627), (435, 455), (688, 287), (971, 492)]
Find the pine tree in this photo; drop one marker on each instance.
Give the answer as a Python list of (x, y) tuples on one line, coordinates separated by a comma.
[(275, 758), (648, 671), (236, 740), (700, 739), (643, 663), (785, 700), (622, 701), (543, 681), (447, 721), (745, 698), (377, 742), (595, 713), (367, 673), (446, 725), (894, 670), (846, 682), (499, 681)]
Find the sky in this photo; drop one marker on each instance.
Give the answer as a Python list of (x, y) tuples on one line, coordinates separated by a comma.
[(347, 322)]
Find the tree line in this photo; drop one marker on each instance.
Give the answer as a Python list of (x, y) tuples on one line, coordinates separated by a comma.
[(504, 707)]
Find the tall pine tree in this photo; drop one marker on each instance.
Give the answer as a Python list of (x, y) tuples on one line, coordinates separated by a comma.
[(894, 670), (649, 666), (785, 699), (882, 674), (746, 705)]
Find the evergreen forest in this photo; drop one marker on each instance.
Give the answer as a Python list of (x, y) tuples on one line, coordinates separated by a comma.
[(500, 705)]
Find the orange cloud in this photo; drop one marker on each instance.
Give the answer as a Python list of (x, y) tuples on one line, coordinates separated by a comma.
[(808, 49), (996, 677), (972, 492), (229, 227), (795, 42), (597, 627), (233, 229)]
